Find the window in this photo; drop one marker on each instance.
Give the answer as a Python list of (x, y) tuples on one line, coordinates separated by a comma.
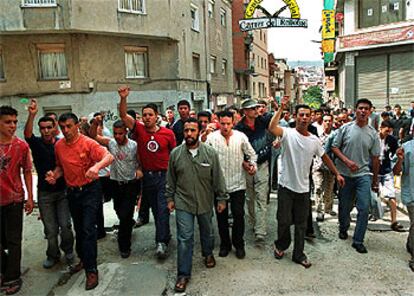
[(196, 66), (210, 9), (52, 61), (254, 88), (39, 3), (132, 6), (378, 12), (195, 20), (136, 61), (212, 64), (2, 76), (223, 16), (224, 67)]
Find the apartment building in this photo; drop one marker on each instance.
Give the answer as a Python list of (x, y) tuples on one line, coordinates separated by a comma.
[(375, 51), (73, 54), (250, 58)]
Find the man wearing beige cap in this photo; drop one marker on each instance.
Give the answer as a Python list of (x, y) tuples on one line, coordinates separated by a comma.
[(255, 126)]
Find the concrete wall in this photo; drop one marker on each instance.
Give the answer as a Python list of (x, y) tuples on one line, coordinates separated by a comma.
[(90, 58), (220, 46)]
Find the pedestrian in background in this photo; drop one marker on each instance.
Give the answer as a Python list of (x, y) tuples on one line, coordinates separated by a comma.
[(51, 199), (154, 146)]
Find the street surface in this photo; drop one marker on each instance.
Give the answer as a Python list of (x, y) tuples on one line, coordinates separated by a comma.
[(337, 268)]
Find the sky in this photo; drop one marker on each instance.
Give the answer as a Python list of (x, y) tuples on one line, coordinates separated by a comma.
[(295, 43)]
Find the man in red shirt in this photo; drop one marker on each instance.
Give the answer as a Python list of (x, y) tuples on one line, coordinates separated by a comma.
[(79, 159), (14, 156), (154, 146)]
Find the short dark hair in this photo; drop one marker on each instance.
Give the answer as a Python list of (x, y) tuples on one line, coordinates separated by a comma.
[(119, 124), (225, 114), (363, 101), (97, 114), (150, 106), (262, 102), (301, 106), (132, 113), (69, 115), (48, 114), (204, 114), (7, 110), (318, 111), (327, 114), (194, 120), (46, 119), (397, 106), (387, 123), (182, 103), (232, 108), (385, 113)]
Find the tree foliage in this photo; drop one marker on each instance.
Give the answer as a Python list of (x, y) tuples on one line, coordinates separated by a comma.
[(313, 97)]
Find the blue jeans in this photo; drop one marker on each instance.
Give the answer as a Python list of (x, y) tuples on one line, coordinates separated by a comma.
[(360, 187), (185, 239), (154, 190), (84, 204), (54, 210)]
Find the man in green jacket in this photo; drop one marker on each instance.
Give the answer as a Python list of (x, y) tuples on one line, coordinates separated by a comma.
[(194, 179)]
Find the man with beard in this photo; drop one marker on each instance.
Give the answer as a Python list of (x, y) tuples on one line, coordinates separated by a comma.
[(154, 146), (124, 175), (354, 145), (194, 180), (299, 147), (52, 201)]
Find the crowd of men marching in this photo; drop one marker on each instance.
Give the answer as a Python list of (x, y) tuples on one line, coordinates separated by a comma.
[(195, 165)]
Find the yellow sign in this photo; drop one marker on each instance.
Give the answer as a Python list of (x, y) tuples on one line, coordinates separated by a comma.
[(328, 24), (328, 45), (253, 4), (272, 20)]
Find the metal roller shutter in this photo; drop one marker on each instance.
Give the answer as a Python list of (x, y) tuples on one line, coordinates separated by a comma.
[(371, 79), (402, 78)]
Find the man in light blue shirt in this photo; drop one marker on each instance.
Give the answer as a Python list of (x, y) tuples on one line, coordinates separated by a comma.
[(355, 144), (405, 164)]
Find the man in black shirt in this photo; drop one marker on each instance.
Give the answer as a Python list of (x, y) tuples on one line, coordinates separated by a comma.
[(53, 205), (183, 107)]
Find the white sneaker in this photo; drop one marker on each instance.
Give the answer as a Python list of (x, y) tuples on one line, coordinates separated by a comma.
[(162, 252)]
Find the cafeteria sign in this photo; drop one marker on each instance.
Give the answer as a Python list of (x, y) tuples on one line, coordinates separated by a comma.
[(272, 20)]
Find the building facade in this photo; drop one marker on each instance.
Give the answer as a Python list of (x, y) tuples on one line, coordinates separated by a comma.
[(73, 54), (250, 58), (375, 52)]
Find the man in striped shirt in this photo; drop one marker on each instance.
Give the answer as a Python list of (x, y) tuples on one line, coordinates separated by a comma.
[(236, 156)]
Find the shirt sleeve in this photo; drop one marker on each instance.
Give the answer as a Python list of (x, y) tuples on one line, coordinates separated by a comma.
[(219, 184), (97, 152), (26, 159), (172, 141), (337, 142), (376, 147), (248, 149), (171, 179), (319, 149)]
